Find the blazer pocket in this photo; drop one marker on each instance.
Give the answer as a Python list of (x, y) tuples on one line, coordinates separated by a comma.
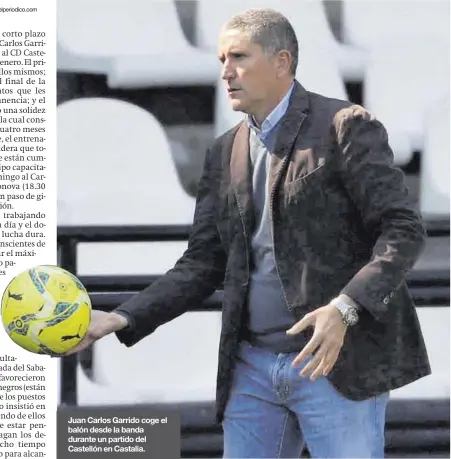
[(307, 179)]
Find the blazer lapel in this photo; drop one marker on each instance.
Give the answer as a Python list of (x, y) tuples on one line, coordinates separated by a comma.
[(288, 131), (240, 162), (241, 176)]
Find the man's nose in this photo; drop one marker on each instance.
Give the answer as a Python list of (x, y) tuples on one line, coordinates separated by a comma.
[(227, 71)]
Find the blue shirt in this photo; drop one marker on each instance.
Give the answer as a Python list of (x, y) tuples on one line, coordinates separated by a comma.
[(272, 120)]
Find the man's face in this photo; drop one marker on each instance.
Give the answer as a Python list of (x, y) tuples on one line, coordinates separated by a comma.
[(250, 77)]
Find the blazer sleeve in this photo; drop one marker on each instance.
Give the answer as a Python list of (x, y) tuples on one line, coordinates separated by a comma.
[(195, 276), (377, 188)]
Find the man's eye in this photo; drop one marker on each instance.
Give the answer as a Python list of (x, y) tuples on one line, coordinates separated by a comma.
[(238, 55)]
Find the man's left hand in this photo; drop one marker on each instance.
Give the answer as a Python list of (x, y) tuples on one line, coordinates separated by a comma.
[(328, 337)]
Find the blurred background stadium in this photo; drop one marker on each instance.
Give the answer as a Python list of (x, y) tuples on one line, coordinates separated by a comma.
[(139, 102)]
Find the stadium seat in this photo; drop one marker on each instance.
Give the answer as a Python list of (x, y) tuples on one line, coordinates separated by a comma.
[(70, 62), (435, 326), (364, 23), (308, 19), (115, 168), (129, 36), (434, 172), (400, 82), (316, 71), (92, 393)]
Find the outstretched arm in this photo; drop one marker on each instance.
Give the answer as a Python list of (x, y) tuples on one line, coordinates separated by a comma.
[(195, 276)]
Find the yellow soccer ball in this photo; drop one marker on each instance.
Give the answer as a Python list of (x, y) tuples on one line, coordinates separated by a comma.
[(46, 310)]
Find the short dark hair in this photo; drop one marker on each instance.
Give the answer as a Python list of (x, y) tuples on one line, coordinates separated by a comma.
[(270, 29)]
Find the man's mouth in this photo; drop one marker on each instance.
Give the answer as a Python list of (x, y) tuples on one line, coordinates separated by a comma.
[(232, 90)]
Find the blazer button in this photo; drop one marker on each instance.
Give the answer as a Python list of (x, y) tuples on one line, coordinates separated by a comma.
[(386, 300)]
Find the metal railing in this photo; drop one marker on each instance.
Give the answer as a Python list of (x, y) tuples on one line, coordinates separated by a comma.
[(428, 288), (107, 292)]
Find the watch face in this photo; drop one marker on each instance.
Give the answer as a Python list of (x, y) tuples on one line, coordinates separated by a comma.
[(351, 316)]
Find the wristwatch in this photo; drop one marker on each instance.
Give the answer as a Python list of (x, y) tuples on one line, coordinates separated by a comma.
[(349, 314)]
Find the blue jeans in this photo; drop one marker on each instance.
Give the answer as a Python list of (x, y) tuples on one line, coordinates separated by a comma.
[(273, 411)]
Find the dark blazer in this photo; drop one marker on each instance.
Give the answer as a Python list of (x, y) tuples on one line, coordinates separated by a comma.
[(342, 223)]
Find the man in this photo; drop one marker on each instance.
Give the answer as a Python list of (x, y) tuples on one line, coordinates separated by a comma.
[(302, 214)]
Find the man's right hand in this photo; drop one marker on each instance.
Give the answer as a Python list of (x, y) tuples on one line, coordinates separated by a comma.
[(102, 324)]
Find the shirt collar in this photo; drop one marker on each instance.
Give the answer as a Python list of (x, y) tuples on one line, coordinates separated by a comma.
[(274, 117)]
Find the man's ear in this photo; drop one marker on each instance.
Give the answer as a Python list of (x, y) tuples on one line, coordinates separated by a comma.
[(283, 63)]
